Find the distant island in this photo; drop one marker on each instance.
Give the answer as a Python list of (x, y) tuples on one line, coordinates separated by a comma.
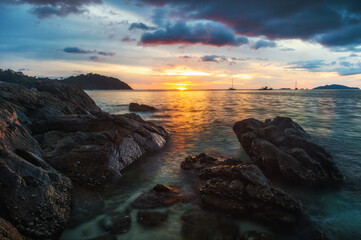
[(93, 81), (336, 86), (88, 81)]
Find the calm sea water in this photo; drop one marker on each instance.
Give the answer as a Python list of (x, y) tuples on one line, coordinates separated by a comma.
[(202, 121)]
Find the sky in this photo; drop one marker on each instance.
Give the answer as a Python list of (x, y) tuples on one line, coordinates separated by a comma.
[(170, 44)]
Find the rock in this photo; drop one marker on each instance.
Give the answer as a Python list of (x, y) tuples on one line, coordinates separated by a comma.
[(160, 196), (49, 98), (152, 218), (13, 134), (197, 224), (135, 107), (255, 235), (93, 149), (8, 231), (243, 190), (34, 199), (116, 223), (104, 237), (284, 149)]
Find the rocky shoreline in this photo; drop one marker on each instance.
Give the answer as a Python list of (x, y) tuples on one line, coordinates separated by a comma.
[(53, 136)]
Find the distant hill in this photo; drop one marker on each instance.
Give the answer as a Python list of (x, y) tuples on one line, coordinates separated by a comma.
[(18, 78), (336, 86), (92, 81)]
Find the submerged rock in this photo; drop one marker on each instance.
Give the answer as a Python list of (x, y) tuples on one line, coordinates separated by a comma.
[(255, 235), (152, 218), (116, 222), (197, 224), (160, 196), (283, 148), (135, 107)]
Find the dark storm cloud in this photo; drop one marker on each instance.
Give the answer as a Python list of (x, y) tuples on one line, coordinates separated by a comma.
[(263, 44), (77, 50), (332, 23), (141, 26), (60, 8), (181, 33), (213, 58)]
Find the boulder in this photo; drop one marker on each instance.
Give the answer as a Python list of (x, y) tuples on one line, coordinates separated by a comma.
[(8, 231), (160, 196), (93, 149), (282, 148), (152, 218), (34, 198), (135, 107)]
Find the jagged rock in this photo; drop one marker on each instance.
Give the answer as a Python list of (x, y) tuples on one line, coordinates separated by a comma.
[(93, 149), (197, 224), (243, 190), (8, 231), (34, 199), (152, 218), (116, 222), (160, 196), (135, 107), (283, 148)]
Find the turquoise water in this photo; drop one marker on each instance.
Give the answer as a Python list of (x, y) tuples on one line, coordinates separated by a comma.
[(202, 121)]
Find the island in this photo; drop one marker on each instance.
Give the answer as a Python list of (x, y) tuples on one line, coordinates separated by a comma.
[(335, 87), (93, 81)]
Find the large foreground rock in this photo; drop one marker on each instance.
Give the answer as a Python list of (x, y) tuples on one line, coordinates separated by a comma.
[(243, 191), (93, 149), (8, 231), (34, 198), (282, 148)]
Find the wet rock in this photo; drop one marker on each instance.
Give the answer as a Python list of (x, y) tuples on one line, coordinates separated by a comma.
[(135, 107), (93, 149), (160, 196), (35, 200), (8, 231), (197, 224), (152, 218), (255, 235), (116, 222), (284, 149), (244, 191)]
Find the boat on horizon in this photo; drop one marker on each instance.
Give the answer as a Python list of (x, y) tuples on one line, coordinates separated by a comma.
[(265, 88), (232, 86)]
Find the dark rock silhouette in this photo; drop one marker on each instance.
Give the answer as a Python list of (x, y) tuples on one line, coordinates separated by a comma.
[(92, 81), (283, 148), (135, 107)]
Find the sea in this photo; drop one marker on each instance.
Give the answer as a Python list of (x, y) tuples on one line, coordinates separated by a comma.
[(201, 121)]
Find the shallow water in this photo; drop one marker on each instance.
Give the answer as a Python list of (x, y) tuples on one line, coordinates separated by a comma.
[(202, 121)]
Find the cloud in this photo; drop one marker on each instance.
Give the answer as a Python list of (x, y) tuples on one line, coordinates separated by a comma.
[(77, 50), (140, 26), (106, 53), (310, 65), (214, 58), (263, 44), (180, 33), (331, 23), (94, 58), (60, 8), (346, 64), (128, 39), (185, 57), (286, 49)]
